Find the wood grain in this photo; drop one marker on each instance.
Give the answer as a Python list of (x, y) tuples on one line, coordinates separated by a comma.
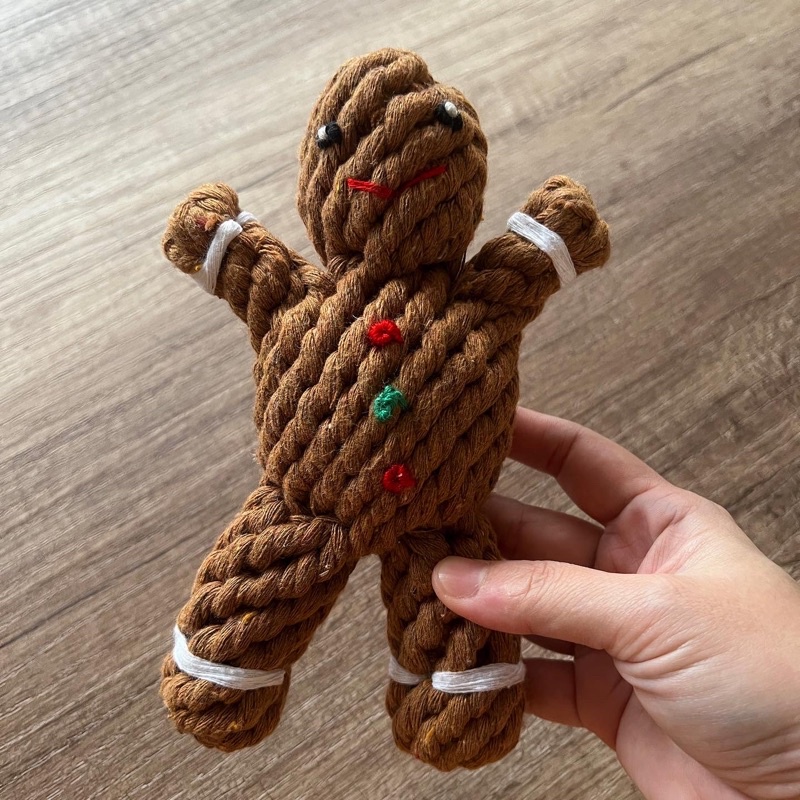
[(126, 434)]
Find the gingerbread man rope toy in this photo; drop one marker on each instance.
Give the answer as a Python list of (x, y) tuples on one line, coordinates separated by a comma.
[(386, 385)]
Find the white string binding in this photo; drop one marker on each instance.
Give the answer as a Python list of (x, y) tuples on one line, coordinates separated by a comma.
[(226, 232), (488, 678), (221, 674), (546, 240)]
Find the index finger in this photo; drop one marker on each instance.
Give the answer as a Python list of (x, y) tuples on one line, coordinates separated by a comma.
[(599, 475)]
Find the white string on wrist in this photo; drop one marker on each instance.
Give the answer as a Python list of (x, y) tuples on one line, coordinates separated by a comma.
[(488, 678), (221, 674), (226, 232), (547, 241)]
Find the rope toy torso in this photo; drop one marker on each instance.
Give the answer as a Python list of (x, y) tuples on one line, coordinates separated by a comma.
[(386, 385)]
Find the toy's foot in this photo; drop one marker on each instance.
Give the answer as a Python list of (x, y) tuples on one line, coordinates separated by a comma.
[(456, 695), (259, 596), (225, 718)]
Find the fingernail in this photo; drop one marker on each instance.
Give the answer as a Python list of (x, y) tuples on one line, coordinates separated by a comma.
[(460, 577)]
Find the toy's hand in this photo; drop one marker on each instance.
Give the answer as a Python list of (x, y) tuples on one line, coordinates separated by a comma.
[(557, 231), (259, 276), (685, 638)]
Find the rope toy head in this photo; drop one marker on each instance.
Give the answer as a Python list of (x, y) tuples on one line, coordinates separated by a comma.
[(390, 155)]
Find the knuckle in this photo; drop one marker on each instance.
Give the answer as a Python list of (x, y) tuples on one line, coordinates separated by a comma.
[(667, 597), (531, 582), (662, 593), (560, 455), (516, 531)]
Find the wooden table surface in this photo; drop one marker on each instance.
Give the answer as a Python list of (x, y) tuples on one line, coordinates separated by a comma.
[(127, 440)]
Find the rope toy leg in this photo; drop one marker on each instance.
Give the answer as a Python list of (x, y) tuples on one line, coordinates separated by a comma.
[(443, 667)]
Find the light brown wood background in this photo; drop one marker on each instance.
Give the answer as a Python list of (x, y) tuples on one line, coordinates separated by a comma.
[(125, 417)]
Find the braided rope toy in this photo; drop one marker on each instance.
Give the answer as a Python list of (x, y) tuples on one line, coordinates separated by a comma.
[(386, 385)]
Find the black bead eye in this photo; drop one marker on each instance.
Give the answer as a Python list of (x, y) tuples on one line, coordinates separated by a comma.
[(448, 114), (328, 134)]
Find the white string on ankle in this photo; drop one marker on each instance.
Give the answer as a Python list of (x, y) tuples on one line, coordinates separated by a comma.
[(226, 232), (488, 678), (221, 674), (546, 240)]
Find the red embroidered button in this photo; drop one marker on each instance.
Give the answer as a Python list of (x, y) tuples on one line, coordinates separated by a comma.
[(397, 478), (384, 332)]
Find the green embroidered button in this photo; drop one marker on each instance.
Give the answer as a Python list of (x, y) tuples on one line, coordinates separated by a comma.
[(385, 404)]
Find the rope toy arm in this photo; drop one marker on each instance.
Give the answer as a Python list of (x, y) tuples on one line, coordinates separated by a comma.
[(231, 255), (556, 236)]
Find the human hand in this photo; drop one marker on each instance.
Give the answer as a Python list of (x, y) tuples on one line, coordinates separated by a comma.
[(685, 638)]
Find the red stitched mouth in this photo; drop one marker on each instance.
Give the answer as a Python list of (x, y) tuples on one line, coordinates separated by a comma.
[(385, 193)]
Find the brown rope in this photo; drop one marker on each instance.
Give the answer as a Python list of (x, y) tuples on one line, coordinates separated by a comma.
[(391, 196)]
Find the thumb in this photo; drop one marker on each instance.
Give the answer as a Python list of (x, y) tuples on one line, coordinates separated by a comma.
[(602, 610)]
